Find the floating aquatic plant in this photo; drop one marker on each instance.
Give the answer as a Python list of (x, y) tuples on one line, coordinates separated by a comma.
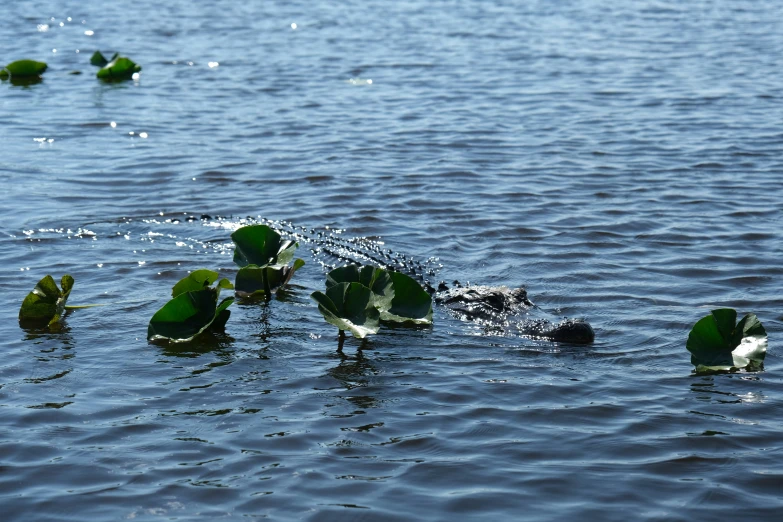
[(46, 303), (263, 257), (22, 69), (376, 279), (718, 343), (398, 297), (352, 291), (411, 303), (349, 306), (120, 68), (192, 311)]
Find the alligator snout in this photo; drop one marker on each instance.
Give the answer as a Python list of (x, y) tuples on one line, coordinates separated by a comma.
[(574, 331), (495, 306)]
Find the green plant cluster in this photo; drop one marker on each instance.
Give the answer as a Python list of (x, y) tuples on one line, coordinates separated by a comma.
[(117, 68), (358, 298), (263, 259)]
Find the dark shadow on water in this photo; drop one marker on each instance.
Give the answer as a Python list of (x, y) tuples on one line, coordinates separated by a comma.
[(205, 343), (25, 81), (38, 334), (353, 371)]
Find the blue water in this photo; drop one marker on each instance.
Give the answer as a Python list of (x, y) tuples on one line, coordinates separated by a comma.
[(622, 160)]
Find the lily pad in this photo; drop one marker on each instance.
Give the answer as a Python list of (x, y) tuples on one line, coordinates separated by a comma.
[(46, 303), (411, 303), (198, 280), (261, 246), (120, 68), (188, 315), (376, 279), (254, 281), (349, 306), (717, 343), (22, 69)]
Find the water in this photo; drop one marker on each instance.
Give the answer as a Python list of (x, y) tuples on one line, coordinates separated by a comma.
[(620, 160)]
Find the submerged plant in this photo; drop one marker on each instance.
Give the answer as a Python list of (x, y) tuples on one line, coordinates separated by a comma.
[(352, 292), (263, 257), (46, 303), (717, 342), (193, 310)]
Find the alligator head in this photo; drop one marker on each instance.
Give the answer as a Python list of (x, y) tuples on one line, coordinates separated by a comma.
[(500, 307)]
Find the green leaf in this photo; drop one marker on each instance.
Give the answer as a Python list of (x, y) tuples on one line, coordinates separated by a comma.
[(120, 68), (376, 279), (188, 315), (22, 69), (716, 343), (196, 280), (261, 246), (255, 281), (98, 59), (349, 306), (46, 303), (411, 303)]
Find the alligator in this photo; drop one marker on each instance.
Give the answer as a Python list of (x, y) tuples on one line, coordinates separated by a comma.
[(498, 309)]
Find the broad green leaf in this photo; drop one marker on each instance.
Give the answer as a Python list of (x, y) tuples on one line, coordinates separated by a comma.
[(411, 303), (120, 68), (376, 279), (46, 303), (22, 68), (716, 343), (98, 59), (349, 306), (194, 281), (255, 281), (261, 246), (188, 315)]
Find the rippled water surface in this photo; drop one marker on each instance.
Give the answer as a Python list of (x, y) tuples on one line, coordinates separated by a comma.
[(622, 160)]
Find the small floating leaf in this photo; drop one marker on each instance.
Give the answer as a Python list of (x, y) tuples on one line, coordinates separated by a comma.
[(349, 306), (716, 343), (188, 315), (411, 303), (120, 68), (261, 246), (46, 303), (23, 68)]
